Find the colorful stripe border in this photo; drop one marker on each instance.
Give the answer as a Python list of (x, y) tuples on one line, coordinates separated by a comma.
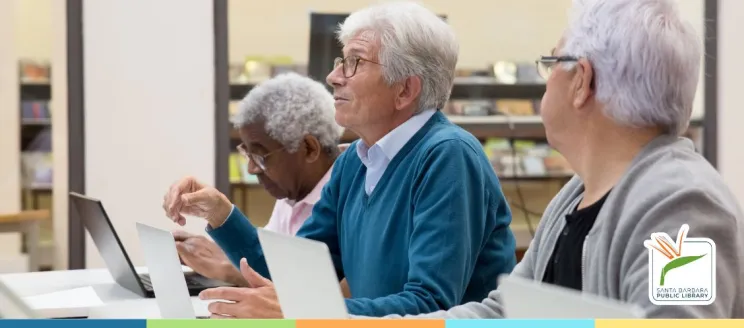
[(373, 323)]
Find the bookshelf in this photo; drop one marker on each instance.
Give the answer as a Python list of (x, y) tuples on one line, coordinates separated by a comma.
[(36, 144), (36, 125), (492, 130), (531, 173)]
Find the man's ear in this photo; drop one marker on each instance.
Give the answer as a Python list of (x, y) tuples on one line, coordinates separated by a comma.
[(409, 91), (583, 83), (313, 148)]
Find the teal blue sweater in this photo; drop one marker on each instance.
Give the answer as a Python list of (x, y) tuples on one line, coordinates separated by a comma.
[(433, 234)]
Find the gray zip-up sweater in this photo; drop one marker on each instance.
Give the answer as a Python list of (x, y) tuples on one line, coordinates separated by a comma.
[(667, 185)]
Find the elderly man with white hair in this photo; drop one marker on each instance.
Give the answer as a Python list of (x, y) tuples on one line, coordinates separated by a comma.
[(290, 139), (620, 89), (413, 214)]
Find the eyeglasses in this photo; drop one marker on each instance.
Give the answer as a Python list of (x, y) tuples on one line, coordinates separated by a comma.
[(259, 160), (546, 63), (350, 64)]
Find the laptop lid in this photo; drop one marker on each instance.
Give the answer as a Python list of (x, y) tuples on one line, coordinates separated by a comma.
[(166, 274), (97, 223), (310, 293), (12, 306), (529, 299)]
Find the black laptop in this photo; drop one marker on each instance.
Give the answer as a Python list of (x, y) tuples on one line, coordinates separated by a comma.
[(90, 211)]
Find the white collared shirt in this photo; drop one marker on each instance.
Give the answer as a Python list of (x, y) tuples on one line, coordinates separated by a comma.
[(288, 216), (377, 157)]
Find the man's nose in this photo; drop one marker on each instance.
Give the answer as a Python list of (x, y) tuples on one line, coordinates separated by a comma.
[(336, 77), (253, 168)]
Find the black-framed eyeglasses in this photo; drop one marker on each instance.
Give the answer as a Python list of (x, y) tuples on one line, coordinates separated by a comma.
[(350, 63), (259, 160), (546, 64)]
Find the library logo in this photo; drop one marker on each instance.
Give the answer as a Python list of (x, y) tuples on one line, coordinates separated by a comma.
[(681, 272)]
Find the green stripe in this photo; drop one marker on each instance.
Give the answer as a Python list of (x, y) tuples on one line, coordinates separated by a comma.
[(219, 323)]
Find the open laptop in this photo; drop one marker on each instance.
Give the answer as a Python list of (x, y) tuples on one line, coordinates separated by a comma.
[(171, 293), (311, 293), (98, 224), (314, 291), (12, 306), (529, 299)]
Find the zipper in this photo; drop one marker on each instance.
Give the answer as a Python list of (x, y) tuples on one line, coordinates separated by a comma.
[(583, 259)]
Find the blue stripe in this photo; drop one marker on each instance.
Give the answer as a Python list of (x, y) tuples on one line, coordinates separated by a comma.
[(72, 323), (518, 323)]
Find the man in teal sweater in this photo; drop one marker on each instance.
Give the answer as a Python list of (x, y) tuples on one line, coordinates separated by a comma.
[(413, 213)]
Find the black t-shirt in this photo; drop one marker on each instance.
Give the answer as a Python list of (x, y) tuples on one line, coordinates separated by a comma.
[(564, 268)]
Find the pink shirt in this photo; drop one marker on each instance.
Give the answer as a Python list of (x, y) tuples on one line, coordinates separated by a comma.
[(288, 216)]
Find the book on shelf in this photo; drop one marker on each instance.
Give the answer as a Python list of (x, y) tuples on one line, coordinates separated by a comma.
[(35, 110), (37, 169), (33, 71), (526, 158), (233, 108), (239, 170), (255, 69), (489, 107)]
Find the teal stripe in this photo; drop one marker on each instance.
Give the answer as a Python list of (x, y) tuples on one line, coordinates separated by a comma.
[(518, 323)]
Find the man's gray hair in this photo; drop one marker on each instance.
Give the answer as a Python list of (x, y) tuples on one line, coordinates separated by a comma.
[(414, 42), (646, 59), (291, 107)]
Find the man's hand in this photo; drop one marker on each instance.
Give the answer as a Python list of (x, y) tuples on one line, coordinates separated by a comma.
[(345, 290), (206, 258), (259, 301), (190, 197)]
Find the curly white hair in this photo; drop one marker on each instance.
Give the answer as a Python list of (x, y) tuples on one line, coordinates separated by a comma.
[(291, 107)]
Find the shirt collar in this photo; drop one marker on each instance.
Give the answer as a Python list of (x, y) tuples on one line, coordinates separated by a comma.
[(314, 195), (394, 141)]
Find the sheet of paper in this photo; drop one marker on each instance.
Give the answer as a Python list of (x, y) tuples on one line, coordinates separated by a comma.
[(84, 297)]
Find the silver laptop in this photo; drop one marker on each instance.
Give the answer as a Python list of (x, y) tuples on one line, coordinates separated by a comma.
[(166, 274), (12, 306), (529, 299), (311, 293)]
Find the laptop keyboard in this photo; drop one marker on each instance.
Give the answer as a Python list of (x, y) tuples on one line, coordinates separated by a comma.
[(191, 281)]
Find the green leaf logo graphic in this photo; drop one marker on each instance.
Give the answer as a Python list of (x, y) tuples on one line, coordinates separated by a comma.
[(676, 263)]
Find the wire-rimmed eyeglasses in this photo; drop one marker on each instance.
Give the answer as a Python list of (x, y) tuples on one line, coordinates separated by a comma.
[(259, 160)]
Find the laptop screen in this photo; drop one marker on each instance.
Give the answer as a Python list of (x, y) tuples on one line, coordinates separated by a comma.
[(91, 213)]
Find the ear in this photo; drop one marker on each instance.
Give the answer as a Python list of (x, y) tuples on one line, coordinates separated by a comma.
[(313, 148), (583, 83), (409, 92)]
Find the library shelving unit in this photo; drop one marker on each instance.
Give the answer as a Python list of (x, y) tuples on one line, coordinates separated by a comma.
[(493, 130), (36, 146), (530, 171), (36, 125)]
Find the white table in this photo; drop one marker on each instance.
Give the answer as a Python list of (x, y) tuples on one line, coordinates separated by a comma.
[(118, 301)]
